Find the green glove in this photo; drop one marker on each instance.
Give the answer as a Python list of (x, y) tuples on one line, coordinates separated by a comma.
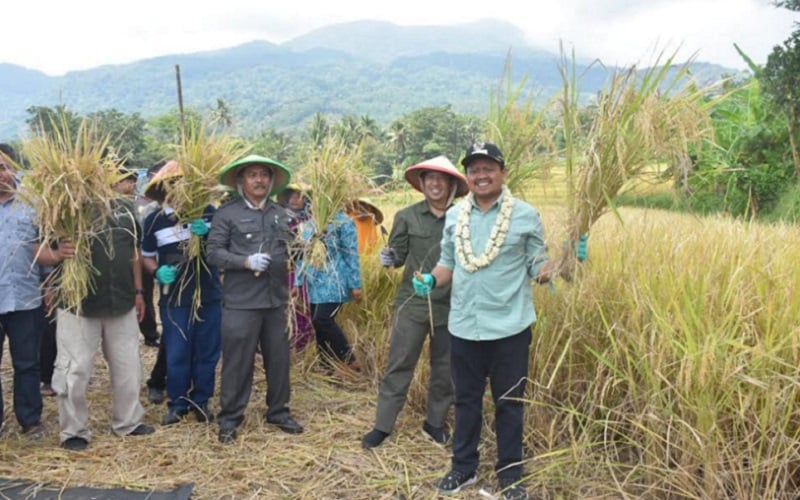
[(581, 250), (166, 275), (424, 286), (199, 227)]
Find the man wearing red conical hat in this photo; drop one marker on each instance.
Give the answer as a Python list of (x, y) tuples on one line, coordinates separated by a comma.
[(414, 243), (249, 240)]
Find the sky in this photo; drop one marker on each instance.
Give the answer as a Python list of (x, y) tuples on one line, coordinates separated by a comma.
[(57, 37)]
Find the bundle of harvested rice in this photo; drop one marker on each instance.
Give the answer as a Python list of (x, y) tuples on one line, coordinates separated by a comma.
[(640, 119), (336, 174), (69, 184), (201, 155)]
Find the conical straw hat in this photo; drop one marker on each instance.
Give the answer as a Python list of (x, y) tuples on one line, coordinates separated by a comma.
[(438, 164)]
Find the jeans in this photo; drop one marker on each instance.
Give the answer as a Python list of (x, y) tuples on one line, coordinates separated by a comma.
[(24, 332), (192, 348)]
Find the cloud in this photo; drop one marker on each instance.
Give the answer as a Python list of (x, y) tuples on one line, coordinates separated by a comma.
[(617, 31)]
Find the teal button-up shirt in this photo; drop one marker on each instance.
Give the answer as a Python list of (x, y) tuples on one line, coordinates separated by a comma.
[(495, 301)]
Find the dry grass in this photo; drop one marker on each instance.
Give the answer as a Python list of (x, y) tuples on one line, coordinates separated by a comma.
[(668, 370), (327, 461)]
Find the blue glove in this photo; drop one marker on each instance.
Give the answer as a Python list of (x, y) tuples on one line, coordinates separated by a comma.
[(166, 275), (581, 249), (258, 262), (388, 256), (423, 288), (199, 227)]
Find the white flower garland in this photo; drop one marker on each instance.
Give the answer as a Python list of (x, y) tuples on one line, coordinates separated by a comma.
[(496, 238)]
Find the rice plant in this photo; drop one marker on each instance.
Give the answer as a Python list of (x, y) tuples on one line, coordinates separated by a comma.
[(69, 184), (201, 156), (522, 131), (641, 118), (336, 174)]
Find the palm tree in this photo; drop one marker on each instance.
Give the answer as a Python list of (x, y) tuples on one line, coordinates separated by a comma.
[(318, 129), (398, 138), (222, 115)]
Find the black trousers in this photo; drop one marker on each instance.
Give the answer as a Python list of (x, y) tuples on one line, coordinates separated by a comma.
[(148, 325), (242, 331), (47, 354), (332, 344), (158, 375), (505, 363)]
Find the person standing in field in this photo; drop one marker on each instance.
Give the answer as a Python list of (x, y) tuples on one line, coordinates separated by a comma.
[(157, 382), (296, 202), (149, 326), (414, 243), (22, 316), (109, 316), (492, 246), (249, 241), (190, 331), (336, 282), (367, 217)]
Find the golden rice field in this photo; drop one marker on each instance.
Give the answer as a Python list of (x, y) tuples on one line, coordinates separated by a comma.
[(669, 369)]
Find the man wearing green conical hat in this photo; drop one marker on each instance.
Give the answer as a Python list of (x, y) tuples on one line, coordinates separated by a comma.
[(248, 239)]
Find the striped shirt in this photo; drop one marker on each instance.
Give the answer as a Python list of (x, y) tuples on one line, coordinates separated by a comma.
[(165, 239)]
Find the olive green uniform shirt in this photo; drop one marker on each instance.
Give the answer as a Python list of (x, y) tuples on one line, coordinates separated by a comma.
[(416, 237)]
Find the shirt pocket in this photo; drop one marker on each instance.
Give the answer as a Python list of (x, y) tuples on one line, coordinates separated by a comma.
[(284, 236), (248, 235), (424, 243), (514, 242)]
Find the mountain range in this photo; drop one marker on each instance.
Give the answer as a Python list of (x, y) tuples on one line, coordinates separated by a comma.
[(361, 68)]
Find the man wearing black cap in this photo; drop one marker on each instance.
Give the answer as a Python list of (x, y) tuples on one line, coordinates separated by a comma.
[(492, 246)]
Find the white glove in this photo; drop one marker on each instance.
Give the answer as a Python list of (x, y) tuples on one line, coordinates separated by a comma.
[(388, 256), (258, 261)]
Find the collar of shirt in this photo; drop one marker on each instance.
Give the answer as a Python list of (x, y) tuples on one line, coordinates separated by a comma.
[(9, 200), (253, 206), (496, 203)]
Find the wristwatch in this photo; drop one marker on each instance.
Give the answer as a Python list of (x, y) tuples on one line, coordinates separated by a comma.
[(139, 291)]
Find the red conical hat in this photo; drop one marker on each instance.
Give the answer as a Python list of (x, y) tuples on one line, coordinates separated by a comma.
[(438, 164)]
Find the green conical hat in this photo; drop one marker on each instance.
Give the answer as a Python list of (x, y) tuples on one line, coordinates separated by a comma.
[(280, 173)]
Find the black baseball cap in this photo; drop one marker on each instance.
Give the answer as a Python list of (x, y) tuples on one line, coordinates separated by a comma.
[(485, 150)]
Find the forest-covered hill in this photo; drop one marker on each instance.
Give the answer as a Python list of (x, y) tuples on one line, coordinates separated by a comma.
[(361, 68)]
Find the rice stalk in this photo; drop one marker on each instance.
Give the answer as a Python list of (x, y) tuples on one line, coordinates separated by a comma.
[(521, 131), (639, 120), (69, 184), (202, 154), (336, 173)]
